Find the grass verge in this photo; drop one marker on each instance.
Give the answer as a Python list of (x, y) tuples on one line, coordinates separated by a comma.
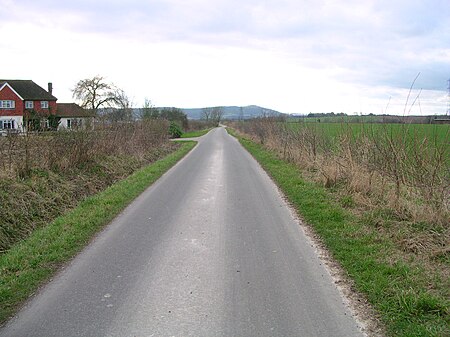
[(399, 291), (197, 133), (30, 263)]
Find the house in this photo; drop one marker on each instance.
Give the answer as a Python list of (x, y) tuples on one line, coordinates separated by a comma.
[(74, 116), (22, 99)]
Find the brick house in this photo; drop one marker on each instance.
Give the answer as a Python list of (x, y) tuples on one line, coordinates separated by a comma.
[(21, 98)]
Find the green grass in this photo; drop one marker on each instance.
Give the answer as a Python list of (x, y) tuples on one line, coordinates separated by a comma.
[(337, 119), (433, 133), (30, 263), (197, 133), (398, 291)]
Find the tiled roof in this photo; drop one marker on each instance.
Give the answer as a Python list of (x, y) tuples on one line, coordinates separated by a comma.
[(71, 110), (29, 90)]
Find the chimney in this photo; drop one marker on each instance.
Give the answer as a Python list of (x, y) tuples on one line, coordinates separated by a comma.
[(50, 88)]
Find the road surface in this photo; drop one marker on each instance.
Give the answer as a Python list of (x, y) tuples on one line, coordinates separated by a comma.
[(211, 249)]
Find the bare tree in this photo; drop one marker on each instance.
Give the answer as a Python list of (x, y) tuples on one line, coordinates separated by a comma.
[(217, 114), (94, 93), (206, 114), (123, 111), (213, 115)]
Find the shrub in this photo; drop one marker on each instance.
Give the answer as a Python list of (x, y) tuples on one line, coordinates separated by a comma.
[(175, 130)]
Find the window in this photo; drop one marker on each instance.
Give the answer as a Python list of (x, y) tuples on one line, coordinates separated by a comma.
[(44, 104), (29, 105), (7, 124), (69, 123), (7, 104)]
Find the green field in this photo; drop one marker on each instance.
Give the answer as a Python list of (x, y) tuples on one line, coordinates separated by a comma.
[(337, 119), (431, 133)]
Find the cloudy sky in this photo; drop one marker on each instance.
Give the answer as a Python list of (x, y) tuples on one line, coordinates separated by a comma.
[(295, 56)]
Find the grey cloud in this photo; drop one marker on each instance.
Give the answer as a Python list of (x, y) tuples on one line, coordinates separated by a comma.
[(371, 41)]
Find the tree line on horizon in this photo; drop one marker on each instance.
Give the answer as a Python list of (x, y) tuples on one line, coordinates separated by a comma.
[(108, 101)]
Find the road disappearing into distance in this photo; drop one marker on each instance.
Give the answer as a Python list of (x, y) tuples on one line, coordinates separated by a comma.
[(211, 249)]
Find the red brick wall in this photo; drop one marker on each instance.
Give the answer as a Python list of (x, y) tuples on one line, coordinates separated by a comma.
[(51, 107), (7, 94)]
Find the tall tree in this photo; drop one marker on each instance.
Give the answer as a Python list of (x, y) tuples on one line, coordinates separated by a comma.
[(95, 93)]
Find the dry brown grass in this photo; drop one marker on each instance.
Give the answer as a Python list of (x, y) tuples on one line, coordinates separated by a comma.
[(61, 151), (395, 183), (43, 175)]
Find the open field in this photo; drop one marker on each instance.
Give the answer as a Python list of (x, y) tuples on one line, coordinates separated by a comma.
[(387, 119), (429, 133)]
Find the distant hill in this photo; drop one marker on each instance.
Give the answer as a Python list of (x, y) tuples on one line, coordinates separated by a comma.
[(234, 112)]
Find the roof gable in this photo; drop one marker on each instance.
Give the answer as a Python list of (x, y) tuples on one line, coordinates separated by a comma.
[(5, 84), (28, 90)]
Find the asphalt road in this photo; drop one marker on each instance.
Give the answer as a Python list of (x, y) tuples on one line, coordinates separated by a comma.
[(211, 249)]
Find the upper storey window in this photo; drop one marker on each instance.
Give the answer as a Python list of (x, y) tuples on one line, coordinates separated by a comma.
[(6, 104)]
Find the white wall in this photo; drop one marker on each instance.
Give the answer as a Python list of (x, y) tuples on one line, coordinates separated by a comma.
[(76, 122), (63, 123), (18, 121)]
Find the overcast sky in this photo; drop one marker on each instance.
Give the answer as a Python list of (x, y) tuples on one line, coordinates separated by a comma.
[(295, 56)]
